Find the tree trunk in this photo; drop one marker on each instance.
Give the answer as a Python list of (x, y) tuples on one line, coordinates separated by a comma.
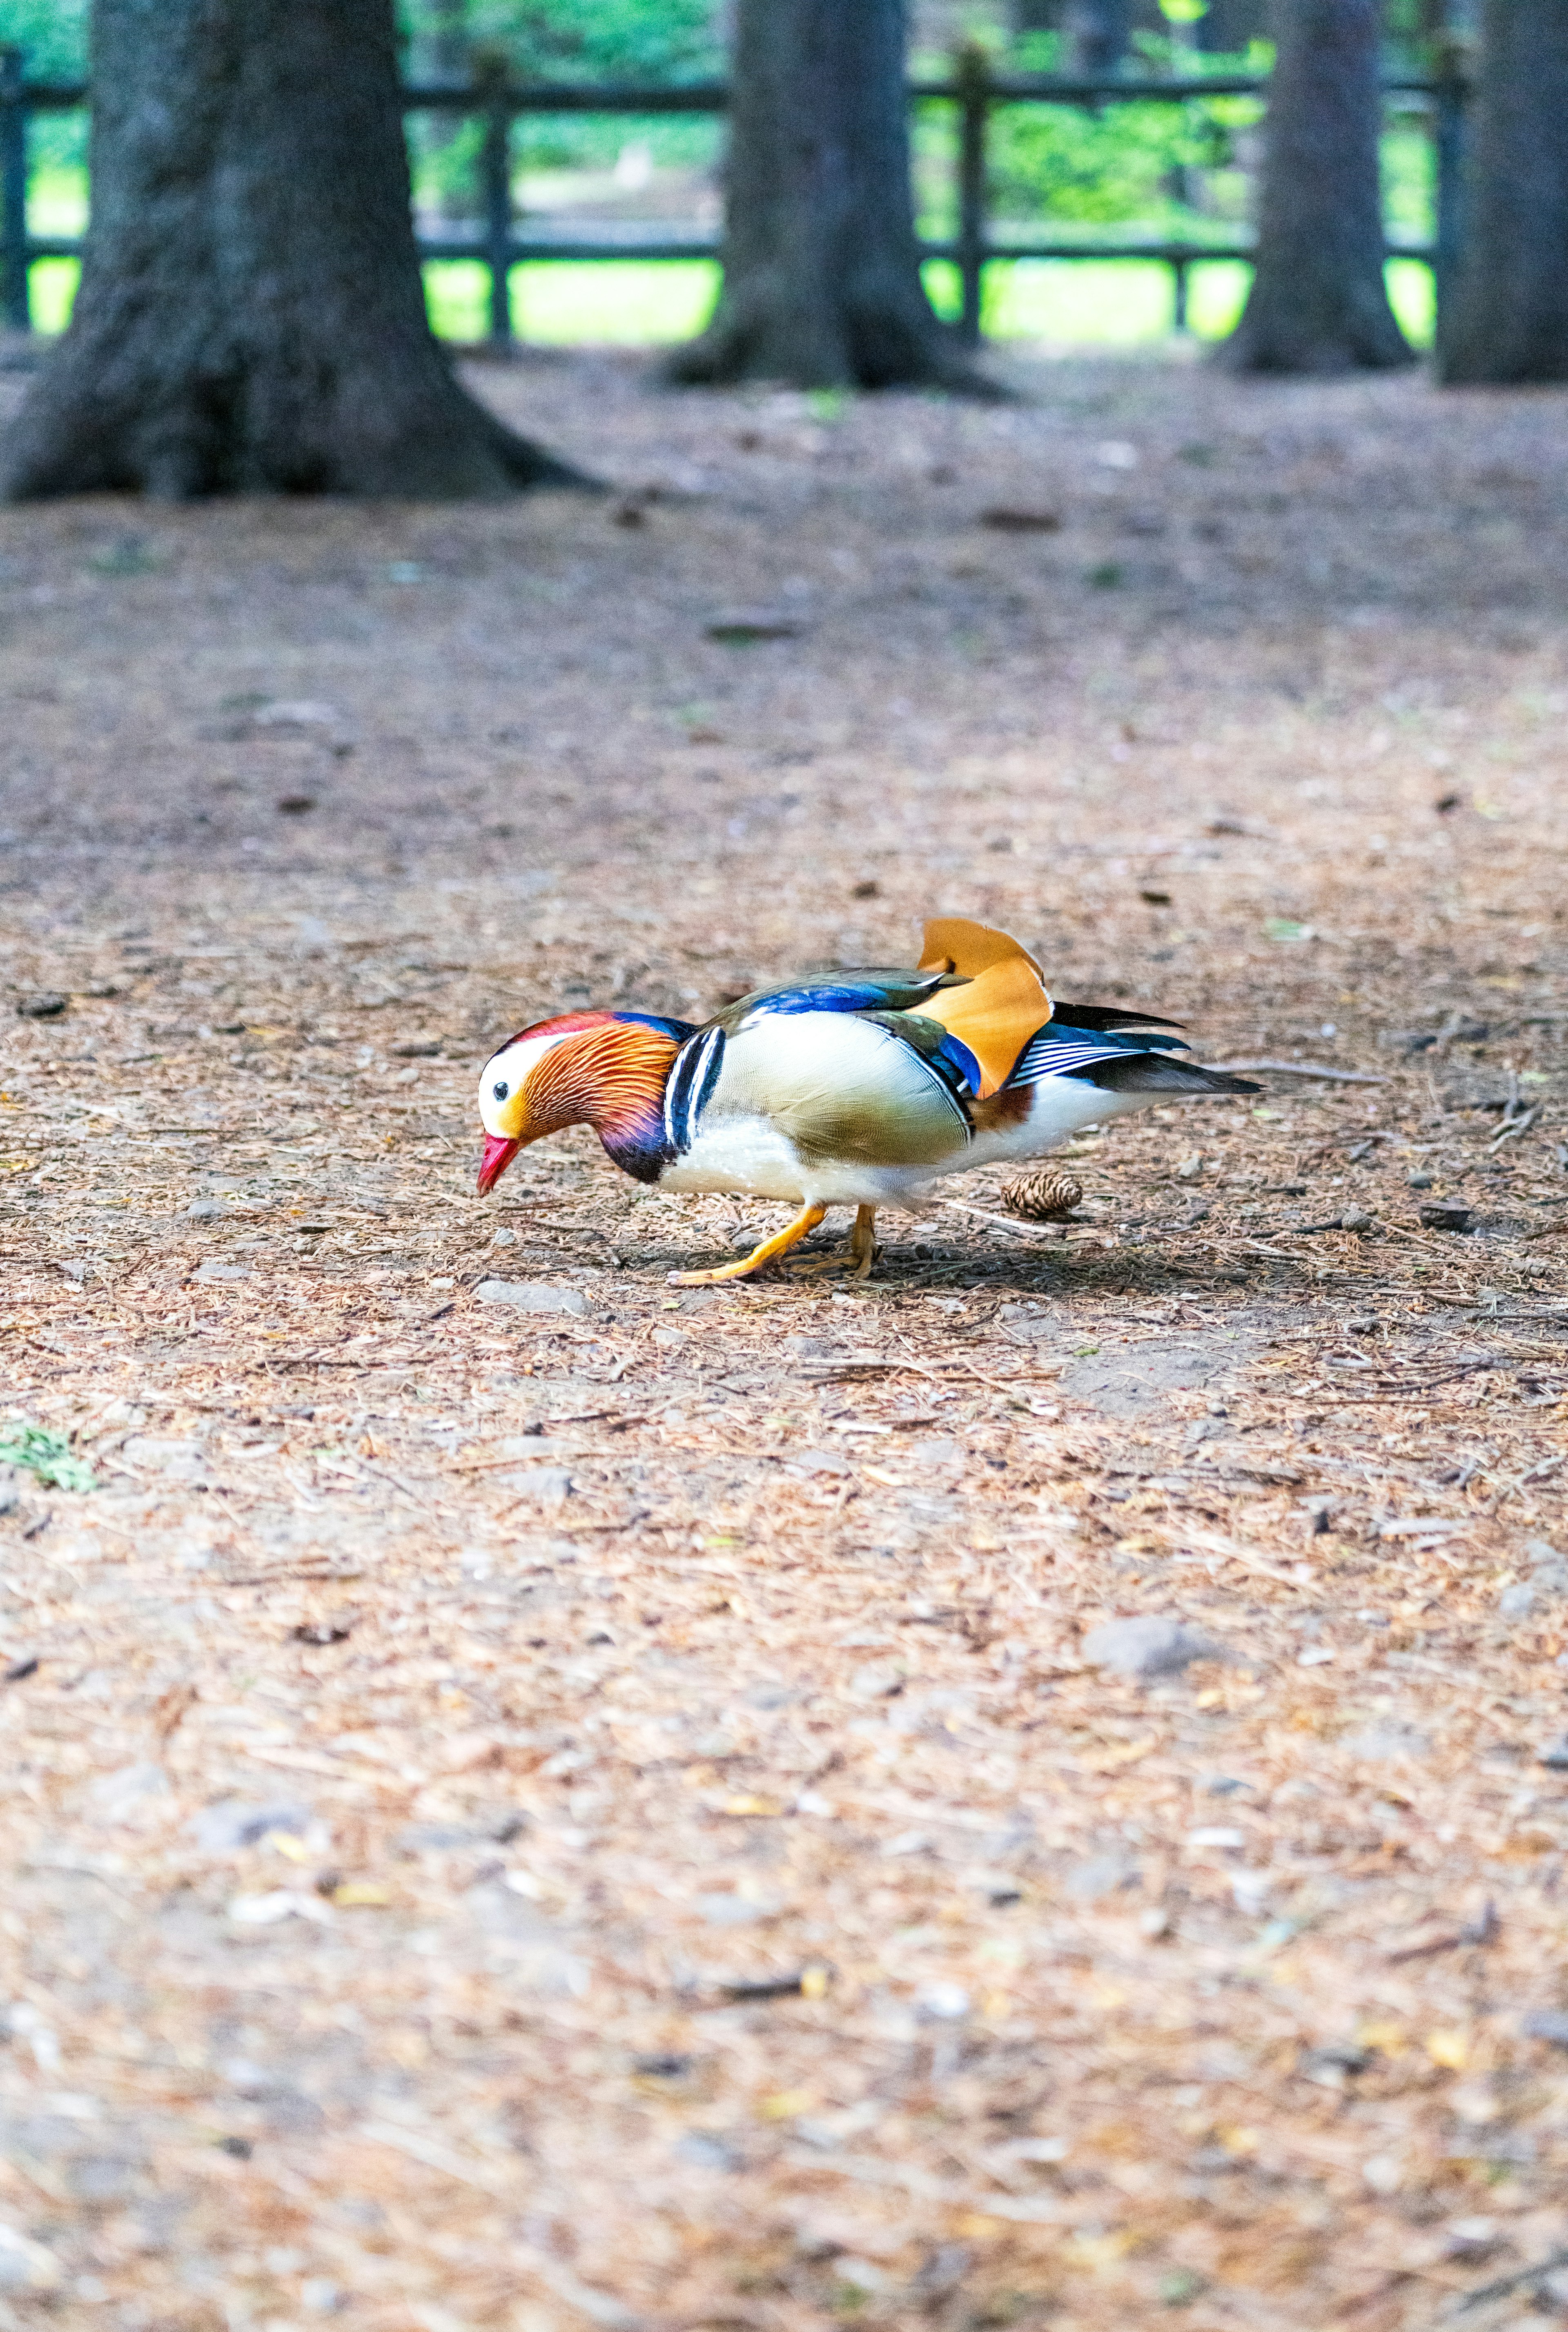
[(1095, 33), (1318, 303), (1099, 32), (446, 42), (1507, 317), (251, 314), (821, 267)]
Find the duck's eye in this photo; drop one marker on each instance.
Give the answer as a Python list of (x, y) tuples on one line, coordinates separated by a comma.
[(501, 1089)]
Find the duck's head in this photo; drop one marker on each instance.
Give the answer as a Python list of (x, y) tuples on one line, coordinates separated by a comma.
[(607, 1069)]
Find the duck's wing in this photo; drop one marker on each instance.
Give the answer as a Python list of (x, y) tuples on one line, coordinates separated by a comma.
[(844, 1077), (875, 989), (994, 1015), (1063, 1047), (1136, 1059), (952, 943), (1107, 1015)]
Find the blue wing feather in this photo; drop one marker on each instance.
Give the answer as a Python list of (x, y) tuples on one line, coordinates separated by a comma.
[(1059, 1050), (870, 994), (956, 1054)]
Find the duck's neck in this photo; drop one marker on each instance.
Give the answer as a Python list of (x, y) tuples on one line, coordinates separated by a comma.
[(614, 1076)]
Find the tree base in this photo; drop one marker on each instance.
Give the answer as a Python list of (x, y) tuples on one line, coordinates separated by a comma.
[(760, 333), (97, 421), (1281, 345)]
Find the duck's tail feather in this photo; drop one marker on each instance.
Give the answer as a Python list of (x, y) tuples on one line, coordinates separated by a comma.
[(1156, 1073), (1101, 1016)]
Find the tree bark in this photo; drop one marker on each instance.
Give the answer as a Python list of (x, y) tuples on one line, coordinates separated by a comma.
[(1095, 33), (821, 265), (1318, 304), (1099, 32), (251, 315), (1506, 318)]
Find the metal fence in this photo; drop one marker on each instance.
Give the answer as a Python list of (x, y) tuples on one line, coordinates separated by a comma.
[(501, 242)]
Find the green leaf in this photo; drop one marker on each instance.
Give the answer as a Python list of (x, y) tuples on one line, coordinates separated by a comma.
[(1183, 12), (48, 1457)]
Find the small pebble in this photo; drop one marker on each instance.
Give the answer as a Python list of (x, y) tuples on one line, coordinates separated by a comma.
[(1546, 2024), (24, 2265), (233, 1823), (1147, 1647), (1556, 1756), (531, 1296), (1470, 2239), (1448, 1218), (1355, 1218), (47, 1006)]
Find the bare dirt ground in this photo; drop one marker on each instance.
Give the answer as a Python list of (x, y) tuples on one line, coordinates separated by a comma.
[(621, 1814)]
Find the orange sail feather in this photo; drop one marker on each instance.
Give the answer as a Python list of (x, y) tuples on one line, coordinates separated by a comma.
[(1001, 1003)]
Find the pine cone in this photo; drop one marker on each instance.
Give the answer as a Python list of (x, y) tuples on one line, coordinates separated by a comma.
[(1044, 1196)]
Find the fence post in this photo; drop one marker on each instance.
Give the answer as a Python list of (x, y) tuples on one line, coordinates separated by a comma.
[(972, 78), (489, 80), (1450, 160), (14, 301)]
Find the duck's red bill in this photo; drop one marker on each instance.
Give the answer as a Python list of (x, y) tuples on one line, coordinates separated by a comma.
[(498, 1153)]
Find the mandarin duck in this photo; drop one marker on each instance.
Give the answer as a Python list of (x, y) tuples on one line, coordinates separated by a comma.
[(852, 1088)]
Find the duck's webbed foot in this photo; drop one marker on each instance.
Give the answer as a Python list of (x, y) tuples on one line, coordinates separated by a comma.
[(804, 1224), (862, 1252)]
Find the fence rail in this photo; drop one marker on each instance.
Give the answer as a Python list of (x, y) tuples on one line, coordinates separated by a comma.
[(972, 90)]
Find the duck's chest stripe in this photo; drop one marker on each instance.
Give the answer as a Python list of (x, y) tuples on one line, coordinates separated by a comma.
[(690, 1087)]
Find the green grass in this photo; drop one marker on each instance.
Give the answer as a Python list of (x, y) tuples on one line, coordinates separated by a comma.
[(566, 303), (1124, 303), (44, 1454), (1085, 303), (51, 287)]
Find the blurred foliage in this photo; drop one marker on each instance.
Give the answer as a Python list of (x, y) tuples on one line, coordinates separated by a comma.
[(1162, 167), (660, 41), (45, 1455), (51, 35), (1124, 162)]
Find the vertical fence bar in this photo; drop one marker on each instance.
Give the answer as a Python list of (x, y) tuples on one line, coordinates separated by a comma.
[(1177, 295), (13, 302), (1449, 128), (972, 78), (495, 170)]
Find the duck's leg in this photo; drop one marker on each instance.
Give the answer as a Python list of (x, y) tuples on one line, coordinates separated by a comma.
[(863, 1241), (805, 1222), (862, 1250)]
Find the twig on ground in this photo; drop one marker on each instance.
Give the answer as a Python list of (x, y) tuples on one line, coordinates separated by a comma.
[(1002, 1222), (1319, 1069)]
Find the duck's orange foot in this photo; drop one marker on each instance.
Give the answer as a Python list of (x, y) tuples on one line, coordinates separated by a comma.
[(862, 1252), (804, 1224)]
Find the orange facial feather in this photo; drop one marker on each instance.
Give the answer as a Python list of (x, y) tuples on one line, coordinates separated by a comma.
[(606, 1075)]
